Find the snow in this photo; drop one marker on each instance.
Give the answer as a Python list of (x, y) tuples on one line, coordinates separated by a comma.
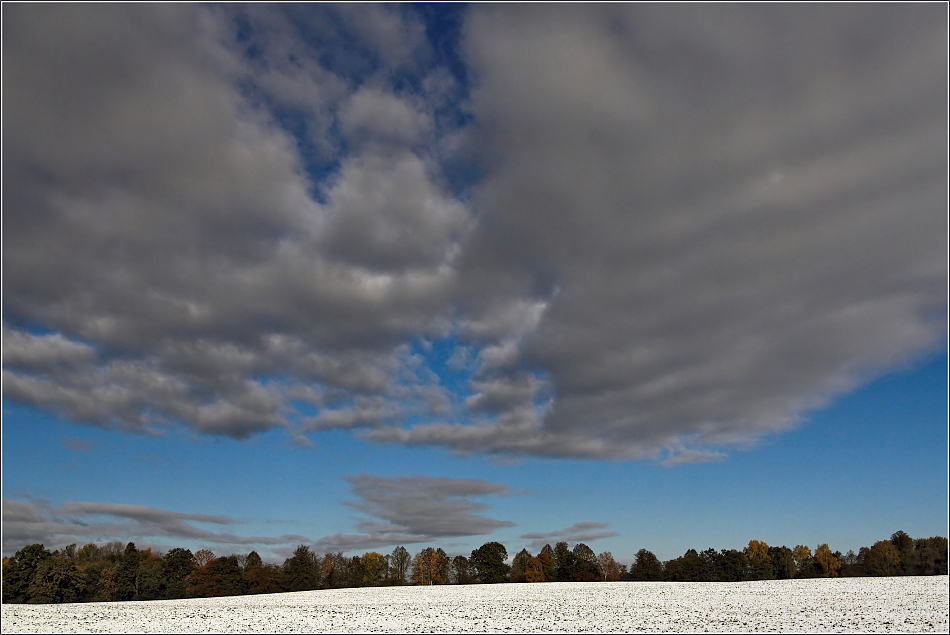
[(900, 604)]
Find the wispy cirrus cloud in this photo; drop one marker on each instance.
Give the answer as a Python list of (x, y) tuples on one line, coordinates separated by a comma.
[(79, 445)]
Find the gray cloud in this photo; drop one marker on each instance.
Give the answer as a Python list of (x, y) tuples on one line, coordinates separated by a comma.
[(164, 226), (379, 116), (414, 509), (27, 351), (386, 214), (696, 224), (82, 522), (586, 531), (730, 214)]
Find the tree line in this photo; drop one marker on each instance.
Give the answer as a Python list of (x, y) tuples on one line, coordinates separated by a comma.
[(114, 572)]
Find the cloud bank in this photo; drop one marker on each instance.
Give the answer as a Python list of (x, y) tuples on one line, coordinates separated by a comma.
[(29, 522), (650, 231), (585, 532)]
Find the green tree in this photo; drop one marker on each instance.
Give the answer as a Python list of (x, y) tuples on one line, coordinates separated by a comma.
[(929, 556), (783, 562), (19, 570), (489, 564), (443, 565), (88, 553), (149, 579), (733, 566), (905, 547), (328, 570), (710, 566), (177, 565), (687, 568), (300, 570), (585, 564), (564, 562), (228, 576), (849, 565), (253, 559), (90, 570), (646, 567), (125, 573), (55, 581)]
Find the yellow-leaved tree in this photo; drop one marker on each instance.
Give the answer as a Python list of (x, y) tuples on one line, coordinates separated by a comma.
[(828, 565)]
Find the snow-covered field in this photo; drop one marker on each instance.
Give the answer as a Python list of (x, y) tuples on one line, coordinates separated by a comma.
[(912, 604)]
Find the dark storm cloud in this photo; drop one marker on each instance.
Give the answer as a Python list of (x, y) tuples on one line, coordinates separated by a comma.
[(587, 531), (696, 223), (414, 509), (82, 522)]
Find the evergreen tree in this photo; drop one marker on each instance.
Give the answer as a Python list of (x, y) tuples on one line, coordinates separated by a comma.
[(563, 562), (229, 577), (710, 566), (646, 567), (125, 573), (300, 570), (177, 565), (733, 566)]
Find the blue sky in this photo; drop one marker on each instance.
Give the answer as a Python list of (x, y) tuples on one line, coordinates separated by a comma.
[(356, 276)]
